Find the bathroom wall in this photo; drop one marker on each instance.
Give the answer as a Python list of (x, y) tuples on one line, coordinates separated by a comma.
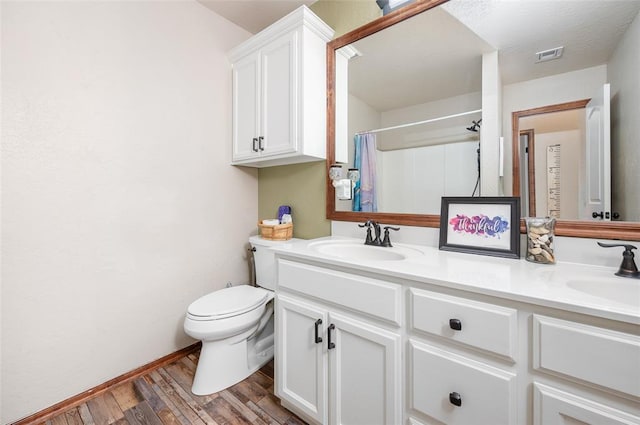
[(119, 204), (567, 87), (290, 184), (303, 188), (344, 16), (624, 68)]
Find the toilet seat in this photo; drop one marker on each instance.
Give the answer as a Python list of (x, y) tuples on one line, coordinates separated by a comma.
[(228, 302)]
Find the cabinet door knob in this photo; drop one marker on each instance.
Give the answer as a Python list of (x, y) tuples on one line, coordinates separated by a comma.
[(455, 324), (318, 338), (255, 144), (455, 399), (330, 344), (260, 144)]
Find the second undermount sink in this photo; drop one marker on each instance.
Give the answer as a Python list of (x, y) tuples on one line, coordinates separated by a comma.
[(351, 250), (617, 289)]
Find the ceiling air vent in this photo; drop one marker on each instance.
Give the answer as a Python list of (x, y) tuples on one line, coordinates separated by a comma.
[(551, 54)]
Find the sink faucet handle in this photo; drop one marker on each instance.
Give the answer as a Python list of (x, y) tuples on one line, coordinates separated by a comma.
[(368, 224), (386, 241), (628, 267)]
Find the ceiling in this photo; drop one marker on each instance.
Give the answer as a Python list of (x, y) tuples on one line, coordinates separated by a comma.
[(442, 53), (253, 15)]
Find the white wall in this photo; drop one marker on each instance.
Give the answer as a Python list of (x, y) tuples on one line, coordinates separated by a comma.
[(119, 206), (624, 68), (540, 92), (570, 147)]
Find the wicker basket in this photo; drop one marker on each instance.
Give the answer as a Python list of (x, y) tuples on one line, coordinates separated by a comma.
[(277, 232)]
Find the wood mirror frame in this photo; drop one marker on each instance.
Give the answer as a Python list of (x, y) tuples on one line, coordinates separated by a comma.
[(610, 230)]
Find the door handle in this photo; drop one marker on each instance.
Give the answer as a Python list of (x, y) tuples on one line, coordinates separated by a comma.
[(317, 325), (330, 345), (255, 144), (260, 145)]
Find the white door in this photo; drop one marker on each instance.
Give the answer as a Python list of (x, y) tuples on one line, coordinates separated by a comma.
[(300, 360), (598, 157), (246, 81), (279, 96), (365, 370)]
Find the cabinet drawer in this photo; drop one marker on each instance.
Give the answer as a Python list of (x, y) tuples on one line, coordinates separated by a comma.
[(603, 357), (438, 377), (481, 325), (374, 297), (555, 407)]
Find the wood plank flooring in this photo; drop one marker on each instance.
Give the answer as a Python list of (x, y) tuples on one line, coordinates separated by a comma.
[(163, 397)]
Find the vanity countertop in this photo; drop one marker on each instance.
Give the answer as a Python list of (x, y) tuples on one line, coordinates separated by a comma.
[(579, 288)]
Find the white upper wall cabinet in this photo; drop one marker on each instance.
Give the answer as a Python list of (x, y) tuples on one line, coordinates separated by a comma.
[(279, 93)]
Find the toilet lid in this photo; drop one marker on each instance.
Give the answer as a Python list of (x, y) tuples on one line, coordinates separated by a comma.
[(228, 302)]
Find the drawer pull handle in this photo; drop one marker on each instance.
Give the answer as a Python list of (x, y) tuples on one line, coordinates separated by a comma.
[(330, 344), (318, 338), (455, 324), (455, 399), (255, 144)]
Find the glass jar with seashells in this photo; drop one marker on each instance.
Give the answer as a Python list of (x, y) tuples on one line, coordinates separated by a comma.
[(540, 235)]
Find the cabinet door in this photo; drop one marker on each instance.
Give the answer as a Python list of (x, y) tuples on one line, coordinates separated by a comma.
[(301, 366), (365, 370), (556, 407), (246, 105), (279, 117)]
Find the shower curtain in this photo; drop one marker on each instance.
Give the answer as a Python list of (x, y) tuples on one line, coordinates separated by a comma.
[(364, 198)]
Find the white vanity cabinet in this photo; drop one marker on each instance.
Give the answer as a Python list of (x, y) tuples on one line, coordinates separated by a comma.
[(420, 352), (279, 92), (335, 365)]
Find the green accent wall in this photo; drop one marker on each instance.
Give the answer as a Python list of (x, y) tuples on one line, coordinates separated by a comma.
[(302, 186)]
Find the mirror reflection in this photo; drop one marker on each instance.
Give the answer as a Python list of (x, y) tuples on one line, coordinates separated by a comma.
[(415, 86)]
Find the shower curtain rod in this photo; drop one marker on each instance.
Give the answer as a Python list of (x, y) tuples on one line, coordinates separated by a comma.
[(378, 130)]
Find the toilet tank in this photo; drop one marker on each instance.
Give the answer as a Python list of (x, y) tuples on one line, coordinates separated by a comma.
[(265, 260)]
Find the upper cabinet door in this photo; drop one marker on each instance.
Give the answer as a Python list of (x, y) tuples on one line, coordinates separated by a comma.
[(279, 96), (280, 93), (246, 105)]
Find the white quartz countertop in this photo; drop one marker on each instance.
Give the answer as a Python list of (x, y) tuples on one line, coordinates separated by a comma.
[(579, 288)]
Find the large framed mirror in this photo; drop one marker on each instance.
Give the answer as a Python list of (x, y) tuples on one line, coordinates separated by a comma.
[(429, 122)]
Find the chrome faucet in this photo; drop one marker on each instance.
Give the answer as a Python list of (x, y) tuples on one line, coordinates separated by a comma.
[(628, 267)]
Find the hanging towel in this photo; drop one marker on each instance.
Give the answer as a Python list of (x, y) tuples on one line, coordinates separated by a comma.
[(365, 198)]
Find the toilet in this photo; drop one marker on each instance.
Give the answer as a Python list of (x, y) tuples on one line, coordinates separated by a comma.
[(235, 325)]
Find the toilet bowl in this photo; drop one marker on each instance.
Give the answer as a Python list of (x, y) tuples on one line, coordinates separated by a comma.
[(235, 326)]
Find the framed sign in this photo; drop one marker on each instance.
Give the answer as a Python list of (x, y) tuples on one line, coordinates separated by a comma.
[(481, 225)]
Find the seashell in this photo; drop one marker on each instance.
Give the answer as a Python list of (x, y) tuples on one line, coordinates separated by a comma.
[(548, 256), (539, 230), (544, 238), (533, 236), (535, 251)]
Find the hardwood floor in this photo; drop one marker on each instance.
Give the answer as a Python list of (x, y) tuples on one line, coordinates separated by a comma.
[(163, 396)]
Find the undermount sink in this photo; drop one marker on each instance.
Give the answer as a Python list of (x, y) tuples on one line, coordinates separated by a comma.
[(358, 251), (617, 289)]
